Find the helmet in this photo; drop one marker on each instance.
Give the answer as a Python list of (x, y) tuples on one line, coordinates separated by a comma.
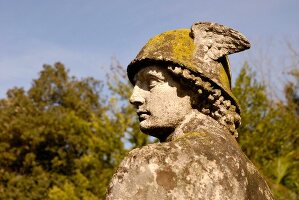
[(203, 50)]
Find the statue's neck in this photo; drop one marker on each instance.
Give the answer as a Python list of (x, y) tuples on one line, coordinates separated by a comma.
[(196, 122)]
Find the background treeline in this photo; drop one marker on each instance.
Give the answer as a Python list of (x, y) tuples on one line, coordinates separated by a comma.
[(63, 138)]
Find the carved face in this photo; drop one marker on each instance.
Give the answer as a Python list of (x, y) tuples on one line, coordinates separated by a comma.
[(161, 101)]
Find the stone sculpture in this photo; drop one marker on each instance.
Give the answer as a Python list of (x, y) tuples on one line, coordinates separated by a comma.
[(182, 93)]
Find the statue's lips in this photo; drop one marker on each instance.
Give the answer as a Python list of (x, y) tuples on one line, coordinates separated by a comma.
[(143, 115)]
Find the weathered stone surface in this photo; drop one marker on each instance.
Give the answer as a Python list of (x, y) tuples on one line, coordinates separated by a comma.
[(182, 94), (199, 49), (213, 41), (203, 164)]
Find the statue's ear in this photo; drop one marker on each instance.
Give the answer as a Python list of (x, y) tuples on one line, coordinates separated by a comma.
[(214, 41)]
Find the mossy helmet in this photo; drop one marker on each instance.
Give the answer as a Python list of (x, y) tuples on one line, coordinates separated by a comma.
[(203, 50)]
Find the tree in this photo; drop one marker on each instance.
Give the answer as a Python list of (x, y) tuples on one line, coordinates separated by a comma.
[(269, 135), (60, 139)]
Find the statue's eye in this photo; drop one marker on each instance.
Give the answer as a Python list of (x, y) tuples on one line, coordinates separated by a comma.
[(153, 82)]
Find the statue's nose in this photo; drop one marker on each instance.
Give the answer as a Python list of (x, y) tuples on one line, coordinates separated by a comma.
[(137, 97)]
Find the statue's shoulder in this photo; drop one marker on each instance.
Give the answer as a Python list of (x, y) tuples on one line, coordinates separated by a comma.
[(192, 167)]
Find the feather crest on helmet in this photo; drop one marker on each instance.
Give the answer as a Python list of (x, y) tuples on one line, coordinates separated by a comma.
[(214, 41)]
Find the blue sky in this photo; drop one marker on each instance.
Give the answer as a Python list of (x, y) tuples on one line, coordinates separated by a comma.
[(85, 35)]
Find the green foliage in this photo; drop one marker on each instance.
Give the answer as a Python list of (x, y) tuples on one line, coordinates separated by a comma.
[(61, 139), (270, 133)]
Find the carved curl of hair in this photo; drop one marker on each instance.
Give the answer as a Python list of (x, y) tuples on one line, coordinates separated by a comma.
[(210, 101)]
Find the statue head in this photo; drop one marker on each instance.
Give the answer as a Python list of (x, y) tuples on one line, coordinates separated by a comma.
[(195, 62), (162, 102)]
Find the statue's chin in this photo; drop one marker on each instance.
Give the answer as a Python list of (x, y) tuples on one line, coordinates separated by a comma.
[(160, 132)]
